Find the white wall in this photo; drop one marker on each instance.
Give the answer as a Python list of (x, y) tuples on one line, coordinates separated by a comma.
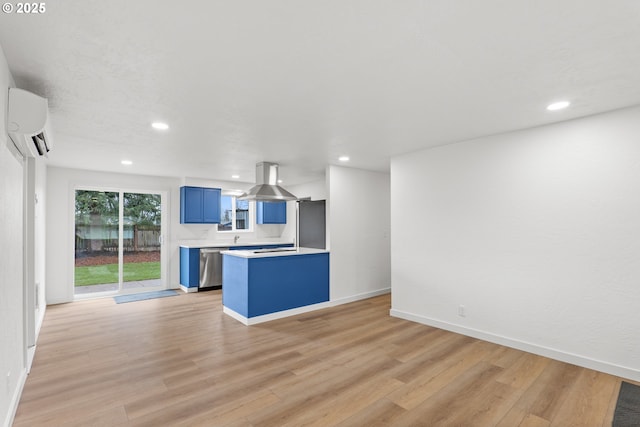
[(40, 240), (34, 250), (12, 343), (359, 220), (316, 190), (536, 233)]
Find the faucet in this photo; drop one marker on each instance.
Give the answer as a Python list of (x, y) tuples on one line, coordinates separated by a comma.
[(235, 239)]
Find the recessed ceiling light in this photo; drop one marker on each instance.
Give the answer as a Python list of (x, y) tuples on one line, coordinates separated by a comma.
[(279, 181), (558, 105), (343, 158), (126, 162), (235, 176), (159, 125)]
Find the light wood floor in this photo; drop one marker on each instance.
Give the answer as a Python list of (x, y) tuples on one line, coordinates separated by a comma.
[(181, 361)]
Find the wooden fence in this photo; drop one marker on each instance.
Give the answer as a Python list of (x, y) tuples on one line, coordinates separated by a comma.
[(137, 239)]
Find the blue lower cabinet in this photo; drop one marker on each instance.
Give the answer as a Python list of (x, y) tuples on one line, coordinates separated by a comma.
[(190, 267), (190, 262), (235, 289), (258, 286)]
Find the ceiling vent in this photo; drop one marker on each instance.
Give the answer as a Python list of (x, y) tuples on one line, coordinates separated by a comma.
[(28, 123)]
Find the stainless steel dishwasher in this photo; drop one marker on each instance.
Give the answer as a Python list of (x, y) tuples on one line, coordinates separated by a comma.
[(211, 267)]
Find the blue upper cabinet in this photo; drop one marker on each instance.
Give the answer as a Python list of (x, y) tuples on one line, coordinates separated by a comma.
[(211, 205), (271, 212), (199, 205), (191, 204)]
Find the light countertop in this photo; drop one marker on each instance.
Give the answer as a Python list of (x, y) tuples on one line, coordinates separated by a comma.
[(190, 244), (279, 252)]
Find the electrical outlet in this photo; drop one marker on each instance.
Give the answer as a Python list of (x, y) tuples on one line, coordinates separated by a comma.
[(462, 311)]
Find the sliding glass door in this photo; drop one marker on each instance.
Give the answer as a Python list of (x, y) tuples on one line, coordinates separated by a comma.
[(97, 215), (118, 242), (142, 236)]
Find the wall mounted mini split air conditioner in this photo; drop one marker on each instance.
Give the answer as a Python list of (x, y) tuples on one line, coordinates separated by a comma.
[(28, 123)]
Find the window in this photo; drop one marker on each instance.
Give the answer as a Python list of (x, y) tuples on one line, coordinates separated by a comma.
[(236, 214)]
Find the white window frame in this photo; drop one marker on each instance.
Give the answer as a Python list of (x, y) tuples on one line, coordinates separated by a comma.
[(252, 211)]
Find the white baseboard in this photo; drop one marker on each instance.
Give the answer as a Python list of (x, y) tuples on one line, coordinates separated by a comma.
[(273, 316), (574, 359), (40, 320), (31, 353), (188, 290), (15, 399), (239, 317), (359, 297), (292, 312), (56, 301)]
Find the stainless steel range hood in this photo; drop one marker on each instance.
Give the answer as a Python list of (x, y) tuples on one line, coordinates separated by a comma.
[(267, 188)]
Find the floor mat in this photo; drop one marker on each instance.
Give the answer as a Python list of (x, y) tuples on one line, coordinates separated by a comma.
[(627, 412)]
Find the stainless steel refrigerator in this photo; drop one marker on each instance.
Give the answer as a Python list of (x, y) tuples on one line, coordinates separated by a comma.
[(311, 224)]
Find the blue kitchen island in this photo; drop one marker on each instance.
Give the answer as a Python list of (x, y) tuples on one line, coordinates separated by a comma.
[(267, 284)]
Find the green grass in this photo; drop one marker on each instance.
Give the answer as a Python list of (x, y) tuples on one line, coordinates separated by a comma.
[(108, 273)]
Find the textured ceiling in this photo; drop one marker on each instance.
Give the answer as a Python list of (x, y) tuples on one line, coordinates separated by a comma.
[(302, 82)]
